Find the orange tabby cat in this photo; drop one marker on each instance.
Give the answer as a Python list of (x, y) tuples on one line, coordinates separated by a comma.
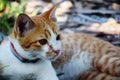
[(82, 52), (28, 50), (35, 40)]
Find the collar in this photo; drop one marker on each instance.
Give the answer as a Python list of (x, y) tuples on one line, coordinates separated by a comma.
[(21, 58)]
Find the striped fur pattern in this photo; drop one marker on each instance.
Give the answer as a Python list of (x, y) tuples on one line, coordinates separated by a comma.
[(82, 52), (83, 57), (96, 75)]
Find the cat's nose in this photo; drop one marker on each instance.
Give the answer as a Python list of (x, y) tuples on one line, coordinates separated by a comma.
[(56, 51)]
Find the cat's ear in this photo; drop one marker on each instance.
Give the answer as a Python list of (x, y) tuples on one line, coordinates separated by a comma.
[(51, 12), (23, 24)]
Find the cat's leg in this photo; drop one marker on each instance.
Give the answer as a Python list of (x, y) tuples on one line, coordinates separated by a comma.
[(108, 63), (96, 75)]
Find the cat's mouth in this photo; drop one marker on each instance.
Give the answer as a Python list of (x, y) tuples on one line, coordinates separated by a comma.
[(52, 55)]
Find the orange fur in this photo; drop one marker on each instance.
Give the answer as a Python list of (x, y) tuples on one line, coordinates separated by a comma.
[(105, 56), (98, 49), (96, 75), (40, 31)]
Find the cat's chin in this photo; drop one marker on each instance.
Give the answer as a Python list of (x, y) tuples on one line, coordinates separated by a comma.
[(53, 57)]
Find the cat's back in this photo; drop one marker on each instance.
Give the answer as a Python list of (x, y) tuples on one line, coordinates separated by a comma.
[(79, 49), (84, 41), (79, 37), (80, 42)]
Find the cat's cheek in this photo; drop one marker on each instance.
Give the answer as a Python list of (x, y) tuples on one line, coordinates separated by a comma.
[(45, 48)]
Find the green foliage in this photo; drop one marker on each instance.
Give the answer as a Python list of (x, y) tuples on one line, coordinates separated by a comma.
[(8, 12), (2, 5)]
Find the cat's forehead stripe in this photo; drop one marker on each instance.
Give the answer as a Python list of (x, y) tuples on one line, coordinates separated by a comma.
[(54, 31), (47, 33), (52, 26)]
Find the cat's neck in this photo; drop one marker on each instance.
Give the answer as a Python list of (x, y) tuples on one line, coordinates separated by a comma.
[(19, 53), (20, 57), (18, 48)]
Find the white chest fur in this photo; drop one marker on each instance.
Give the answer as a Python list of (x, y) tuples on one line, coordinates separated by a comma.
[(79, 63), (17, 70)]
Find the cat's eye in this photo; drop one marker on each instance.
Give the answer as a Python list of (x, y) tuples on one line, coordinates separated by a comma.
[(58, 37), (43, 41)]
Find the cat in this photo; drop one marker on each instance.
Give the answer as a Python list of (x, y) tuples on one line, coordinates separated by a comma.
[(37, 40), (26, 54), (84, 57)]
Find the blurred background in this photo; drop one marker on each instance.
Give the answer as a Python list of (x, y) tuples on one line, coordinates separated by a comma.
[(100, 18)]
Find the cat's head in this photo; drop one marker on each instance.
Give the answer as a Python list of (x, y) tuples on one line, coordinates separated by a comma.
[(38, 34)]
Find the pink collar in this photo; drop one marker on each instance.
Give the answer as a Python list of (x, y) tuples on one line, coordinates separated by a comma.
[(21, 58)]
